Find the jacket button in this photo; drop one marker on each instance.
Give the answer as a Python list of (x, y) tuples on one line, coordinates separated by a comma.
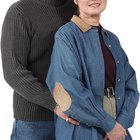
[(119, 80), (87, 124), (119, 98), (118, 61), (109, 46)]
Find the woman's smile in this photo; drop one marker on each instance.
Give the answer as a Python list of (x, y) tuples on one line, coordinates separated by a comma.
[(94, 5)]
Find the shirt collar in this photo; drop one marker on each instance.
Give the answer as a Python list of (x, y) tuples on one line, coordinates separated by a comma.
[(82, 25)]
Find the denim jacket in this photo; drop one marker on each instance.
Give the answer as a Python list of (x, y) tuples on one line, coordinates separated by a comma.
[(77, 69)]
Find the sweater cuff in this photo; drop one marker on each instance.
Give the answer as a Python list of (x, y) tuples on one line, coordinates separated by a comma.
[(107, 124), (52, 105)]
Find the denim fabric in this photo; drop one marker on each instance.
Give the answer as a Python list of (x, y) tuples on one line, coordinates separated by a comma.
[(36, 130), (67, 131), (77, 63)]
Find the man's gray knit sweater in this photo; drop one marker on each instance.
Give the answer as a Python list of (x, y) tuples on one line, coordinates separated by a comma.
[(26, 45)]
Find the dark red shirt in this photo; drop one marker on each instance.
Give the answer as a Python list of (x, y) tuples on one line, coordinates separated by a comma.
[(109, 62)]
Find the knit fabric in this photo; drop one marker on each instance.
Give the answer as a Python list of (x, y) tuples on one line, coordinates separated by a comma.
[(26, 45)]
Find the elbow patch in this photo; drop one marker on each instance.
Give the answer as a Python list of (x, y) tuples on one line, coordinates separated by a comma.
[(62, 97)]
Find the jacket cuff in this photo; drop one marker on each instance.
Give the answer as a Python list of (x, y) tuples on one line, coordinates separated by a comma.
[(125, 120), (107, 124)]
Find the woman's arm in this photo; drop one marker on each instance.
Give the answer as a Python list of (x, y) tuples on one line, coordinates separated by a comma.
[(64, 81), (127, 113)]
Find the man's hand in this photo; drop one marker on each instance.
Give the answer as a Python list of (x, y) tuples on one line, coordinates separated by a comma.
[(117, 133), (59, 113), (105, 138)]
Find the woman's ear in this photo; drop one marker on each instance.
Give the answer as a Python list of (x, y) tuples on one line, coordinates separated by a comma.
[(75, 1)]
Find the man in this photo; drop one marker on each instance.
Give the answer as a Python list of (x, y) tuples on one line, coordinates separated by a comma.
[(26, 45)]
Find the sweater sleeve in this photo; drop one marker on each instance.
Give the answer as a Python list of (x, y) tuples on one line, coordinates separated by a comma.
[(15, 47), (65, 83)]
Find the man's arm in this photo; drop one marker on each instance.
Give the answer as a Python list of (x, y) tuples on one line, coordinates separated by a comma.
[(15, 47)]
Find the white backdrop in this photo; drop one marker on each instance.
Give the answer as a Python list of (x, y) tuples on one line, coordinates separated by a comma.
[(121, 17)]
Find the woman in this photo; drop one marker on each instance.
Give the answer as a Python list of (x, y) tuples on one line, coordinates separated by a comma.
[(91, 79)]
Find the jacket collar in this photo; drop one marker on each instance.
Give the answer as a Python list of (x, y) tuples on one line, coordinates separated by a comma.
[(82, 25)]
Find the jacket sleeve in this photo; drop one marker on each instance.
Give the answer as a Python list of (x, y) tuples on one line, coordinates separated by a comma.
[(15, 48), (64, 80), (127, 113)]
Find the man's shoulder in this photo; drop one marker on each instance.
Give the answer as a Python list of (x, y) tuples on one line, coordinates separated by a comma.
[(19, 7)]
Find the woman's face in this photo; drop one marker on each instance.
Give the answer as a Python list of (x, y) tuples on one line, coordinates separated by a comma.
[(91, 7)]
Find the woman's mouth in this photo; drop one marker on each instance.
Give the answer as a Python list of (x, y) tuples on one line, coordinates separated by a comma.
[(94, 4)]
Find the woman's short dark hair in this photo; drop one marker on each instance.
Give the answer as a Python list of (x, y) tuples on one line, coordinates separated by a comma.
[(77, 11)]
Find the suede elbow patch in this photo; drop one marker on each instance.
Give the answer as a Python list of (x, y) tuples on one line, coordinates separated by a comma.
[(62, 97)]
